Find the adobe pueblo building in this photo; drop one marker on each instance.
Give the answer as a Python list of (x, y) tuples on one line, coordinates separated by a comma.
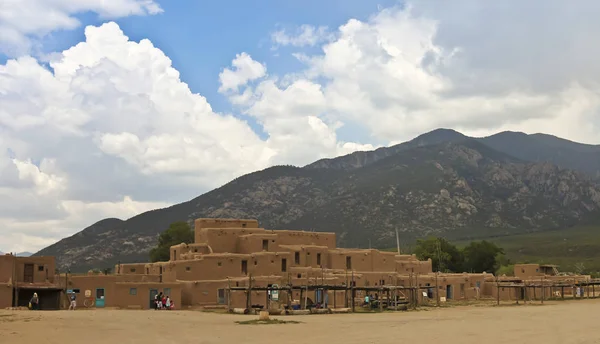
[(21, 277), (236, 255), (235, 264)]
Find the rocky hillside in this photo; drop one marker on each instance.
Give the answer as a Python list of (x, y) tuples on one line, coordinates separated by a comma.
[(535, 148), (453, 186)]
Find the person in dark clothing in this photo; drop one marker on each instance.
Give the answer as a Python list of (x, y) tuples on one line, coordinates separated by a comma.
[(35, 302), (156, 302)]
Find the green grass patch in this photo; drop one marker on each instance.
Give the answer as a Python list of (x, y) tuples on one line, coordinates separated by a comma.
[(266, 322), (573, 249)]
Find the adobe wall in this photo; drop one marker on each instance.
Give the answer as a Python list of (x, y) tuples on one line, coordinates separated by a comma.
[(413, 266), (137, 295), (224, 240), (118, 289), (525, 271), (6, 268), (187, 251), (306, 238), (43, 268), (131, 269), (257, 242), (6, 296)]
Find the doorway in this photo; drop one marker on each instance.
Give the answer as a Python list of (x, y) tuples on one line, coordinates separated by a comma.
[(153, 293), (221, 296), (99, 297), (449, 295)]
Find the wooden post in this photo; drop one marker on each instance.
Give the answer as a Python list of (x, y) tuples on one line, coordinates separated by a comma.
[(497, 292), (267, 299), (352, 295), (437, 290), (525, 294), (334, 302), (381, 299), (228, 295), (593, 291), (301, 297), (418, 291), (543, 291), (306, 297)]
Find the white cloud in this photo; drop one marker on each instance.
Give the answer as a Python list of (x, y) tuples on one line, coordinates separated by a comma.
[(112, 122), (245, 69), (305, 35), (398, 75), (111, 130), (21, 20)]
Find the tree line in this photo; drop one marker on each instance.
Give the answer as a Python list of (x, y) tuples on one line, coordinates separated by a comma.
[(478, 256)]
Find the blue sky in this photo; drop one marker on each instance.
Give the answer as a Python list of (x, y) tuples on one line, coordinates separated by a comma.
[(202, 37), (116, 114)]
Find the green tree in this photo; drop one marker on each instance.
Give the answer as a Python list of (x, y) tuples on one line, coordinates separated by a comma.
[(177, 233), (444, 256), (483, 256)]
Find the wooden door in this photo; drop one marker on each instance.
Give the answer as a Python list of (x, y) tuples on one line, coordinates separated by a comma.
[(28, 273)]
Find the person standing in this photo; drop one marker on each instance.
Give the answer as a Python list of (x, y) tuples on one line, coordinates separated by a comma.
[(73, 299), (35, 302)]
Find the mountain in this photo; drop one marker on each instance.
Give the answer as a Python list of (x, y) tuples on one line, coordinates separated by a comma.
[(24, 254), (440, 183), (535, 148)]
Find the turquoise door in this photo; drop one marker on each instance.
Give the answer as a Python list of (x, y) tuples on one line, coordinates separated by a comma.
[(99, 297)]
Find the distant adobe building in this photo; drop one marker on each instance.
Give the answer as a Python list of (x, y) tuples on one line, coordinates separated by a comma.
[(20, 277), (236, 253)]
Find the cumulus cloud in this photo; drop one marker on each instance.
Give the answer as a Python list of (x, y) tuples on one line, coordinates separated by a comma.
[(305, 35), (110, 130), (21, 20), (245, 69), (407, 70), (111, 126)]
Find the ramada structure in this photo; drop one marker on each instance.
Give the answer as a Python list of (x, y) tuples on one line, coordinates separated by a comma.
[(235, 264)]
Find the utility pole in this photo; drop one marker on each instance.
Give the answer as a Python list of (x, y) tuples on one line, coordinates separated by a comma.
[(397, 241)]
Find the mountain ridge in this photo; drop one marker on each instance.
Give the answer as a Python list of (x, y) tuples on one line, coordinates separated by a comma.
[(441, 183)]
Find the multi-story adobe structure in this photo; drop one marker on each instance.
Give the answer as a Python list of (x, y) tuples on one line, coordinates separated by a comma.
[(230, 252), (20, 277), (236, 253)]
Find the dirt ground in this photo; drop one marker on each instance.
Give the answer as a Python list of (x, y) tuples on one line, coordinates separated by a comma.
[(557, 323)]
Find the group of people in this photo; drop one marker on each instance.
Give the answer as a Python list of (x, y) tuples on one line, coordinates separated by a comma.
[(162, 301)]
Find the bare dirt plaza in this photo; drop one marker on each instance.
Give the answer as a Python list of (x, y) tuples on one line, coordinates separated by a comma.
[(555, 322)]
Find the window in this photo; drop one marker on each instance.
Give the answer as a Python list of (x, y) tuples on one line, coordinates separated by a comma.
[(132, 270), (283, 265), (195, 250), (244, 267), (297, 258), (219, 263), (318, 259), (299, 276), (243, 225), (174, 254), (265, 245), (188, 268), (40, 268), (132, 291), (348, 262), (255, 262)]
